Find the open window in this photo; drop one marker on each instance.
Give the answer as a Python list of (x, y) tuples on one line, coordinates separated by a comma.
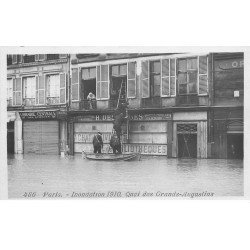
[(88, 84), (29, 90), (118, 81)]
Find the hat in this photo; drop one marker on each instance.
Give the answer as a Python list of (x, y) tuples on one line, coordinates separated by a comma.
[(99, 132)]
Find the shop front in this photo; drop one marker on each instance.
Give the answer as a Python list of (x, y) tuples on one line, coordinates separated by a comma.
[(189, 135), (148, 133), (43, 132), (11, 117), (84, 127), (144, 133), (228, 133)]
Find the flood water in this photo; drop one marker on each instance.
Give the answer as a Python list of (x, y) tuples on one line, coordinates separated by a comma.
[(44, 176)]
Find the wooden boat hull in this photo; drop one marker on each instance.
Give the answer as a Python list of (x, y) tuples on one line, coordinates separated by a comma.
[(111, 157)]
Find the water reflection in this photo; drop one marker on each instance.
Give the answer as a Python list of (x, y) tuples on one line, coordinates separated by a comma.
[(55, 174)]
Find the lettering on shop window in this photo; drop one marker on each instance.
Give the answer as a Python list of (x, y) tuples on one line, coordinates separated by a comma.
[(150, 149), (135, 117), (38, 115)]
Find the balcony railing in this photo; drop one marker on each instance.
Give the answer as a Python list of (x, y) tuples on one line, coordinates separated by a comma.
[(52, 100), (29, 101), (52, 57), (88, 105), (28, 58)]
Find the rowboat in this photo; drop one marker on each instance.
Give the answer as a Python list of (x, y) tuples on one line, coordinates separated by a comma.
[(111, 157)]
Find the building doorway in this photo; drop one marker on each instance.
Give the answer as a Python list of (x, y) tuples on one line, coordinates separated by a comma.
[(10, 138), (187, 140), (187, 145), (235, 149)]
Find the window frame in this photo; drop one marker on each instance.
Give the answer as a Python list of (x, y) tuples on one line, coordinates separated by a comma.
[(46, 87), (26, 76), (147, 78), (12, 80), (14, 91), (187, 71), (71, 84), (206, 94), (108, 81), (135, 83), (151, 74)]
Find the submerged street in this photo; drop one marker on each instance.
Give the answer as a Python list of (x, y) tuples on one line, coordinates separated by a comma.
[(46, 176)]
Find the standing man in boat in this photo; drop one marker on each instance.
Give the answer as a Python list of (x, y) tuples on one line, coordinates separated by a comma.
[(115, 143), (98, 143)]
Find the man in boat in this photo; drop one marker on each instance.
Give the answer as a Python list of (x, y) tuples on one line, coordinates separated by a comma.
[(115, 143), (98, 143)]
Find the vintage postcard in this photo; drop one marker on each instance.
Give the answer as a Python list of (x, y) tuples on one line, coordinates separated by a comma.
[(150, 123)]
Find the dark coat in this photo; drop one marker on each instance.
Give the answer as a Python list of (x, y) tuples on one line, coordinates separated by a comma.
[(97, 140), (115, 141)]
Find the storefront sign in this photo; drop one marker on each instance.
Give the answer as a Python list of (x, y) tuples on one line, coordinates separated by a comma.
[(145, 149), (134, 117), (62, 115), (229, 64), (150, 117), (84, 137), (38, 115)]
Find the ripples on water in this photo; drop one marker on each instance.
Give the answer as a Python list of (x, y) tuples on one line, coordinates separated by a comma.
[(55, 174)]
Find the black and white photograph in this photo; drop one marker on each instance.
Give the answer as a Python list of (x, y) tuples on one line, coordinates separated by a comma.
[(166, 125), (124, 125)]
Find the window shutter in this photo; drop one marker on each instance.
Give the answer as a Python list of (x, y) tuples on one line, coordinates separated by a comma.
[(165, 77), (98, 83), (75, 85), (19, 59), (62, 55), (102, 86), (17, 93), (42, 57), (131, 80), (203, 72), (145, 79), (14, 59), (14, 92), (36, 57), (37, 80), (10, 91), (41, 90), (173, 77), (62, 88)]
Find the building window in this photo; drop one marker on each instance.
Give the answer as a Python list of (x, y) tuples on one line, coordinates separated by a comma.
[(17, 92), (75, 85), (187, 76), (53, 89), (9, 59), (52, 56), (155, 78), (28, 58), (102, 90), (88, 82), (131, 81), (9, 92), (159, 78), (118, 81), (29, 90), (192, 76)]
